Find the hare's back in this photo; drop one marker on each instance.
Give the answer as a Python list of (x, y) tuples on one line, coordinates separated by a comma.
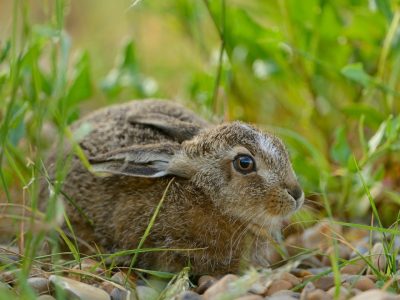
[(115, 127)]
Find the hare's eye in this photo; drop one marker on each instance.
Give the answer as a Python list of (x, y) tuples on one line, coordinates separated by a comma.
[(244, 164)]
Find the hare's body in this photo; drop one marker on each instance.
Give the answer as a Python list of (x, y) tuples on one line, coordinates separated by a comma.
[(209, 206)]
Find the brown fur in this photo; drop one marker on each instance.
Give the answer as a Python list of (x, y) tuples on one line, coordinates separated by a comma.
[(209, 205)]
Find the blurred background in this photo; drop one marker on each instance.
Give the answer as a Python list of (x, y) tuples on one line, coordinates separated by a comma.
[(323, 75)]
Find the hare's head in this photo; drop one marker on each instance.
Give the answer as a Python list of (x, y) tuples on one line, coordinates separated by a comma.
[(245, 172)]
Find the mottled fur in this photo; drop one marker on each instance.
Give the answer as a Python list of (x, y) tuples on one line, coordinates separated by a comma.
[(209, 204)]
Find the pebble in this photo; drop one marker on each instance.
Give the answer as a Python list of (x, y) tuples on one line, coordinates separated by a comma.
[(318, 295), (107, 286), (146, 293), (343, 294), (376, 295), (89, 265), (291, 278), (204, 283), (78, 290), (279, 285), (250, 297), (294, 244), (300, 272), (40, 285), (120, 278), (364, 284), (189, 295), (378, 257), (317, 271), (324, 283), (220, 286), (359, 249), (308, 288), (118, 294), (284, 295), (343, 252), (9, 276), (319, 235), (355, 268)]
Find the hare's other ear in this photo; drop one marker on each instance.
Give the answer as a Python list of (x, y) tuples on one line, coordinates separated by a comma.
[(175, 128), (139, 161)]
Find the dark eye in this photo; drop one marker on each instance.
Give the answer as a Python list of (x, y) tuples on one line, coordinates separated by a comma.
[(244, 164)]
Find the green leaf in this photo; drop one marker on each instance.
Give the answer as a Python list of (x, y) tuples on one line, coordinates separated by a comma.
[(340, 150), (81, 86), (357, 73), (357, 110), (385, 9)]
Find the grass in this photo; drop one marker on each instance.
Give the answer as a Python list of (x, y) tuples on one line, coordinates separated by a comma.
[(320, 74)]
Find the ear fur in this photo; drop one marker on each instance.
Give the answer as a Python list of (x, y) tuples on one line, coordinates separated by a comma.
[(173, 127), (149, 161)]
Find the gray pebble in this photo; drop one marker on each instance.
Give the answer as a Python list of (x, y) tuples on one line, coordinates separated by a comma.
[(78, 290), (189, 295), (40, 285), (118, 294)]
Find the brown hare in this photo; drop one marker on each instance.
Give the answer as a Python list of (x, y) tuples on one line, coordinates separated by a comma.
[(231, 182)]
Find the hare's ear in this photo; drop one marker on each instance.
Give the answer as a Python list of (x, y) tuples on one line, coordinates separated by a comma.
[(139, 161), (175, 128)]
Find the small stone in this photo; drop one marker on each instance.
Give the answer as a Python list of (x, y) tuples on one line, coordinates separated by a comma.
[(204, 283), (219, 286), (107, 286), (359, 250), (324, 283), (278, 285), (291, 278), (40, 285), (189, 295), (308, 288), (318, 295), (343, 293), (364, 284), (285, 295), (89, 265), (378, 257), (157, 283), (300, 273), (78, 290), (118, 294), (343, 252), (250, 297), (147, 293), (9, 276), (317, 271), (355, 268), (376, 295), (120, 278), (293, 244), (319, 235)]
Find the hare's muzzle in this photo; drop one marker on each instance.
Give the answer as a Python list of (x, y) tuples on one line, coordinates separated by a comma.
[(297, 194)]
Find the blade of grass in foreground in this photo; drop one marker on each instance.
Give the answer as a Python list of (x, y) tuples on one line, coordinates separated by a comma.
[(149, 226)]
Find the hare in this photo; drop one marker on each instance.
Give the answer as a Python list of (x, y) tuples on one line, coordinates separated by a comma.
[(231, 182)]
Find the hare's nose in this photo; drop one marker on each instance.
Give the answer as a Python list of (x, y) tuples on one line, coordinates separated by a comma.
[(296, 192)]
